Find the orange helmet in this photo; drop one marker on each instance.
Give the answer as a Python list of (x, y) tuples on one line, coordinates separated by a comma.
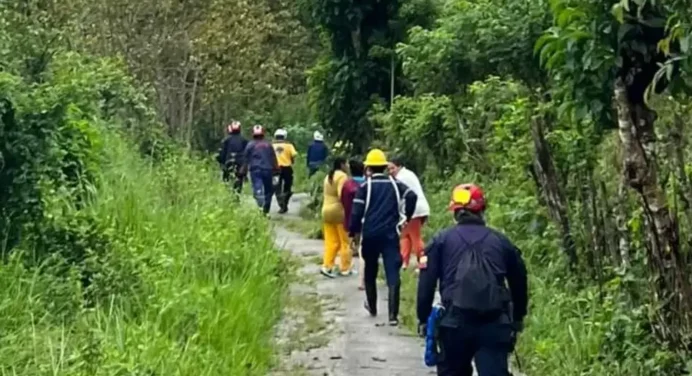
[(234, 127), (258, 130), (467, 197)]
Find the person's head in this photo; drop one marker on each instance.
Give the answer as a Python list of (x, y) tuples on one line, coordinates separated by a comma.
[(258, 132), (395, 164), (467, 199), (356, 167), (339, 164), (233, 128), (376, 161), (280, 134), (317, 136)]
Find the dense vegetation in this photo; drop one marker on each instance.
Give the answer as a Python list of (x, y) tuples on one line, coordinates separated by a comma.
[(120, 251), (573, 116)]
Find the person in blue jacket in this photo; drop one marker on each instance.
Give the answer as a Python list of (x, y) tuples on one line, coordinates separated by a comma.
[(482, 315), (260, 160), (317, 153), (377, 219)]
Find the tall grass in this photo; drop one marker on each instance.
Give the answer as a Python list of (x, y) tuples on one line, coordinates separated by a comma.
[(190, 285)]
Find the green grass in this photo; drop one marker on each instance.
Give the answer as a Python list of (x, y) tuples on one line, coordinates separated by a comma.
[(191, 284)]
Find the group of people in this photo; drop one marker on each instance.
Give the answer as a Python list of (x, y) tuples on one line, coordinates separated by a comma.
[(268, 164), (362, 215), (378, 207)]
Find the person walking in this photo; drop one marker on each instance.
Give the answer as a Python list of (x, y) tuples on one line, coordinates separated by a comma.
[(285, 154), (335, 236), (348, 194), (230, 156), (411, 237), (317, 153), (377, 219), (260, 161), (480, 317)]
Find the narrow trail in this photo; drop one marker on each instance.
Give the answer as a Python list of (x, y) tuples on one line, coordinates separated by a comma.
[(344, 341)]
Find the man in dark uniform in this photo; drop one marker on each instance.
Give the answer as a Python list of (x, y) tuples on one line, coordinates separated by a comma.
[(377, 219), (260, 160), (482, 315), (231, 156)]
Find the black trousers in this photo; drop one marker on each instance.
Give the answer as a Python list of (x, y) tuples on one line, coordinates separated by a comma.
[(284, 188), (488, 344), (234, 172)]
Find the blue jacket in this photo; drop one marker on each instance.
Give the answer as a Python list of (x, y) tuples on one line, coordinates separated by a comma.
[(443, 255), (260, 156), (317, 153), (383, 215)]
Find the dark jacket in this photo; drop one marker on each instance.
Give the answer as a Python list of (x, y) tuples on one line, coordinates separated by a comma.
[(443, 255), (317, 153), (383, 214), (260, 156), (233, 145)]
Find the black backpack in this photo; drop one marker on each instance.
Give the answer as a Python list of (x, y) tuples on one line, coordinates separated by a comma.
[(476, 288)]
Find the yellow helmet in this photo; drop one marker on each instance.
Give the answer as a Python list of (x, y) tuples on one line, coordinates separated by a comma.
[(375, 157)]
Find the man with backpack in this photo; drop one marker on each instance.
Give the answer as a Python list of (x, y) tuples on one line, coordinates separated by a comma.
[(377, 219), (481, 316), (260, 160), (231, 156)]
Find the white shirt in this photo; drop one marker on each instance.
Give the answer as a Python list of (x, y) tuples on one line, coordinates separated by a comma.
[(407, 177)]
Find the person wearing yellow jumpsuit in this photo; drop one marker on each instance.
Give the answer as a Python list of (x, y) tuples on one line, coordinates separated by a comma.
[(335, 237)]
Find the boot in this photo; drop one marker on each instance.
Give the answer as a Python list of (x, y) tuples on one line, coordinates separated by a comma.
[(371, 298), (394, 305)]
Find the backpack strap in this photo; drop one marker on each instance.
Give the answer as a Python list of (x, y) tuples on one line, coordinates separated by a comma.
[(368, 189), (402, 216)]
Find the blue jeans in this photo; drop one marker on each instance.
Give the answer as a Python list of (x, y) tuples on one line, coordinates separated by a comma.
[(262, 188)]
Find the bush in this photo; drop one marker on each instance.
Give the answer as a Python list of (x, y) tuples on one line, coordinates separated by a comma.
[(119, 263)]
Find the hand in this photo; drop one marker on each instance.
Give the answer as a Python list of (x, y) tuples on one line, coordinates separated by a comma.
[(422, 330)]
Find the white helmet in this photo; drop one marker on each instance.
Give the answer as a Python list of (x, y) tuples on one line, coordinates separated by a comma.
[(281, 133), (318, 136)]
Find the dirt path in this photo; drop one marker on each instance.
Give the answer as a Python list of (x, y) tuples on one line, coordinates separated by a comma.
[(327, 331)]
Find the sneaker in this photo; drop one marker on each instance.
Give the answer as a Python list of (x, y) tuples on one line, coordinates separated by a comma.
[(346, 273), (393, 322), (327, 273)]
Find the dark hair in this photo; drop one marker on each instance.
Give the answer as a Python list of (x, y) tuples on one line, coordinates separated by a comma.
[(336, 165), (397, 161), (378, 169), (356, 167)]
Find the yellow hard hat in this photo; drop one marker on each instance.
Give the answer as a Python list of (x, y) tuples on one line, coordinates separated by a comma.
[(375, 157)]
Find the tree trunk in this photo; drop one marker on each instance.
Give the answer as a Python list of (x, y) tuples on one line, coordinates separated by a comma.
[(672, 288), (550, 189)]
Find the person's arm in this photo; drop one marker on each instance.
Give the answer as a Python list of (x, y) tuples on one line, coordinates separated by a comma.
[(358, 211), (221, 157), (517, 280), (309, 156), (273, 159), (427, 281), (340, 184), (410, 200), (247, 156), (294, 154)]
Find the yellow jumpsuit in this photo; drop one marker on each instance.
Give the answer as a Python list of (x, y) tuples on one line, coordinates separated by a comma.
[(335, 236)]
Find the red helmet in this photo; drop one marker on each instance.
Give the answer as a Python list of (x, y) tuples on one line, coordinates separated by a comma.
[(258, 130), (467, 197), (234, 126)]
